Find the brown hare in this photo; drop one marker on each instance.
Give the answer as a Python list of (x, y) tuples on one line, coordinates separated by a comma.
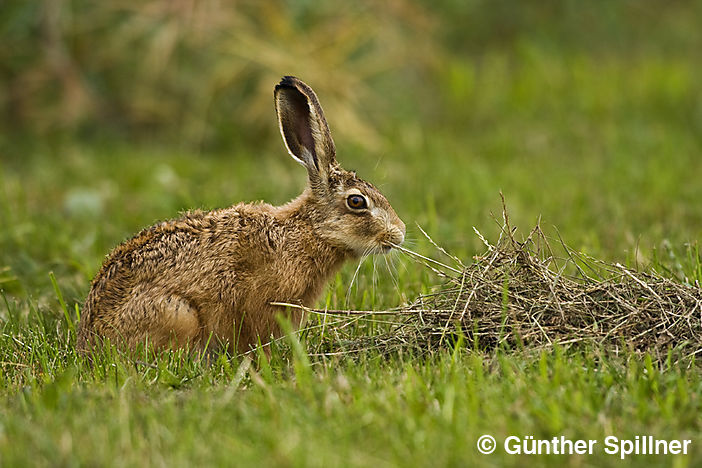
[(210, 277)]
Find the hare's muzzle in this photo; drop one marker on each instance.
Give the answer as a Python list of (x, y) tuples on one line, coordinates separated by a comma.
[(395, 236), (398, 231)]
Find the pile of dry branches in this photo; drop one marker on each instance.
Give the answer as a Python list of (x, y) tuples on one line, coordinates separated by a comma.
[(522, 295)]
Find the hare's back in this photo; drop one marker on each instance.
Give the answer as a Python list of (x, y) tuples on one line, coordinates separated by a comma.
[(194, 260), (188, 246)]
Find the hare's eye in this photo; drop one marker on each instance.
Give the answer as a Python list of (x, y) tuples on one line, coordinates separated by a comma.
[(357, 202)]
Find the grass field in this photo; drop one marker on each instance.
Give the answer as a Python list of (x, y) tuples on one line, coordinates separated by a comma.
[(605, 146)]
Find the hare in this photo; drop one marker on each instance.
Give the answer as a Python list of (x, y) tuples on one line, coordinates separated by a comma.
[(210, 277)]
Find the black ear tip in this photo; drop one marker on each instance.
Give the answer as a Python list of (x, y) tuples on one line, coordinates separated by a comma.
[(288, 82)]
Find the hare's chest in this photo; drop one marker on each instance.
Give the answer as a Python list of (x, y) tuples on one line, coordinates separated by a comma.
[(300, 278)]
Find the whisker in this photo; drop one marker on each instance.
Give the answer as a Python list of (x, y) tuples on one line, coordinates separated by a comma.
[(409, 241), (374, 276), (355, 275), (392, 276), (353, 280), (427, 259)]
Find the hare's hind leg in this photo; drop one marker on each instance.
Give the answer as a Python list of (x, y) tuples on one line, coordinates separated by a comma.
[(165, 321)]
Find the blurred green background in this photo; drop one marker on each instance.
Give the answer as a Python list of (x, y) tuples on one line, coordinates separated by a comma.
[(199, 73), (116, 114)]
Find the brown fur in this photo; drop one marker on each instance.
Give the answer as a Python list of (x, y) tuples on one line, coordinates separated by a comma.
[(211, 276)]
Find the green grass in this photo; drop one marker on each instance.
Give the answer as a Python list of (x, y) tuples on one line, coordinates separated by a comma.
[(602, 143), (63, 213), (358, 412)]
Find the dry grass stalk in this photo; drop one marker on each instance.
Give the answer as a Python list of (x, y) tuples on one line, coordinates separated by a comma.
[(520, 295)]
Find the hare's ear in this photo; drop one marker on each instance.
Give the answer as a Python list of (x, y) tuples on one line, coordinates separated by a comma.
[(303, 127)]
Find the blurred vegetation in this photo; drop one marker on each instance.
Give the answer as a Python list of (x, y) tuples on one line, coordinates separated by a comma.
[(200, 73)]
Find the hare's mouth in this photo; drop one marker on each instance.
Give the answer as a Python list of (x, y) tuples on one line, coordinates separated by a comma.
[(378, 249), (386, 247)]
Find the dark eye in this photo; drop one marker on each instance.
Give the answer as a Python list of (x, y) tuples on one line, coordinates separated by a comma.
[(357, 202)]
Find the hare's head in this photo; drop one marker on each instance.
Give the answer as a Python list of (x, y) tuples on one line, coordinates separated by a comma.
[(349, 212)]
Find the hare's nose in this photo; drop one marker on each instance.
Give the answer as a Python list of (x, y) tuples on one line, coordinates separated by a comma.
[(398, 236), (402, 231)]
